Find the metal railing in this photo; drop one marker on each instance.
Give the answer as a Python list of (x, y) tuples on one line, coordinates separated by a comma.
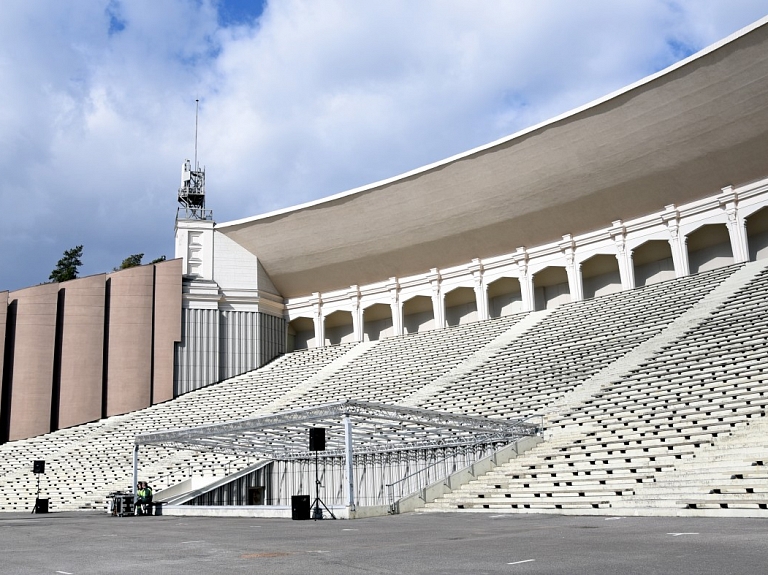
[(200, 469), (184, 213), (442, 470), (420, 479)]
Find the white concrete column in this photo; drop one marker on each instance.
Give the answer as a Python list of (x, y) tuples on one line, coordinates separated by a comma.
[(737, 226), (737, 231), (319, 320), (575, 285), (526, 280), (438, 305), (623, 256), (357, 313), (349, 456), (481, 293), (526, 291), (396, 305), (677, 243), (626, 267), (578, 282)]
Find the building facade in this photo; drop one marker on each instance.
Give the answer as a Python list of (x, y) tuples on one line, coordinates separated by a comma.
[(664, 178), (89, 348)]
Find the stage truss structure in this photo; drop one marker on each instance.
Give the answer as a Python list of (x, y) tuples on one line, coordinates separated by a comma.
[(352, 428)]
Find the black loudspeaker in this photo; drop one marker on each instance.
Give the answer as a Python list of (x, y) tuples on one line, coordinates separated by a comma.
[(300, 507), (317, 438), (38, 466)]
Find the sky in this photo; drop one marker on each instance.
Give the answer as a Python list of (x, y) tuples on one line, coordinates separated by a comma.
[(299, 99)]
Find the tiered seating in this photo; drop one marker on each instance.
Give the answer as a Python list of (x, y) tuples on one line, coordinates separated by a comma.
[(398, 366), (86, 462), (727, 477), (603, 450), (569, 346), (679, 431)]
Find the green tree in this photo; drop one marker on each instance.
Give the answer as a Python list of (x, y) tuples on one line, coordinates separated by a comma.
[(67, 266), (130, 262), (158, 260)]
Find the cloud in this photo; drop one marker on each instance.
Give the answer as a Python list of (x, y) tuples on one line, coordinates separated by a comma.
[(309, 99)]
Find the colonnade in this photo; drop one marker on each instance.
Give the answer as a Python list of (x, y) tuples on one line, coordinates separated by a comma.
[(670, 230)]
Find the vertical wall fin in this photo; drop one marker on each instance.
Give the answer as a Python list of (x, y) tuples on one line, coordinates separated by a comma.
[(56, 379), (8, 327), (105, 349)]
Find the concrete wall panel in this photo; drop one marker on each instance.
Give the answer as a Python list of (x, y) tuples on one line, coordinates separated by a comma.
[(419, 322), (32, 373), (129, 364), (603, 284), (167, 327), (82, 351)]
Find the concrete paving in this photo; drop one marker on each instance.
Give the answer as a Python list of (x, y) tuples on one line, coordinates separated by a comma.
[(445, 543)]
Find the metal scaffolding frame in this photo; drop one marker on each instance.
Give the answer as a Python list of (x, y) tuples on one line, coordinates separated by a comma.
[(352, 427)]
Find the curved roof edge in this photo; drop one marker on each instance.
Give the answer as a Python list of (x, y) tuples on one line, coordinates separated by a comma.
[(574, 111)]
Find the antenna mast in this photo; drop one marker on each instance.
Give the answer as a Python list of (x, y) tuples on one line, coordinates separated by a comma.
[(192, 190)]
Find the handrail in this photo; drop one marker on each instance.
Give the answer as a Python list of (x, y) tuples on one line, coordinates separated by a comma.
[(186, 472), (536, 430), (200, 213)]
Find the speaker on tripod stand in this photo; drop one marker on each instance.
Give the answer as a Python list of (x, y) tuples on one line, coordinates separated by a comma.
[(317, 439), (41, 505), (317, 443)]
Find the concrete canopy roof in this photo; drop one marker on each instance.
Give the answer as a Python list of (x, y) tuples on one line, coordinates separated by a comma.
[(674, 137)]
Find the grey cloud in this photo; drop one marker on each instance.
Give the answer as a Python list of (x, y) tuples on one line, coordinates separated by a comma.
[(315, 98)]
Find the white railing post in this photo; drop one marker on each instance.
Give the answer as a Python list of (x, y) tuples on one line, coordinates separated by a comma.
[(350, 469), (135, 472)]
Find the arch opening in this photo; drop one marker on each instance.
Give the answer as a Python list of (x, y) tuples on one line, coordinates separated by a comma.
[(504, 297), (339, 328), (652, 262), (757, 234), (301, 333), (460, 306), (600, 275), (709, 247), (418, 314), (550, 287), (377, 322)]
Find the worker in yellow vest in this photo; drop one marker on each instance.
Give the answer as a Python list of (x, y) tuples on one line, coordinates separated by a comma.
[(144, 500)]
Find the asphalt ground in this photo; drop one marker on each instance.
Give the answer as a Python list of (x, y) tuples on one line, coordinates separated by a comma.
[(451, 543)]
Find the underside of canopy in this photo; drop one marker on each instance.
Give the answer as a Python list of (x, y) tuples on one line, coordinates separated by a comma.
[(377, 428), (672, 138)]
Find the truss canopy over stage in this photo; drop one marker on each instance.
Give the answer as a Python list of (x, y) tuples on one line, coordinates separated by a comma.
[(351, 426)]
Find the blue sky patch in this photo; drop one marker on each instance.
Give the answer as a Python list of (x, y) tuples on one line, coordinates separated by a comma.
[(116, 21), (680, 50), (237, 12)]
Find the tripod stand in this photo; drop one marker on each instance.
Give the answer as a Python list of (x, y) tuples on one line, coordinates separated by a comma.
[(317, 513), (37, 497)]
